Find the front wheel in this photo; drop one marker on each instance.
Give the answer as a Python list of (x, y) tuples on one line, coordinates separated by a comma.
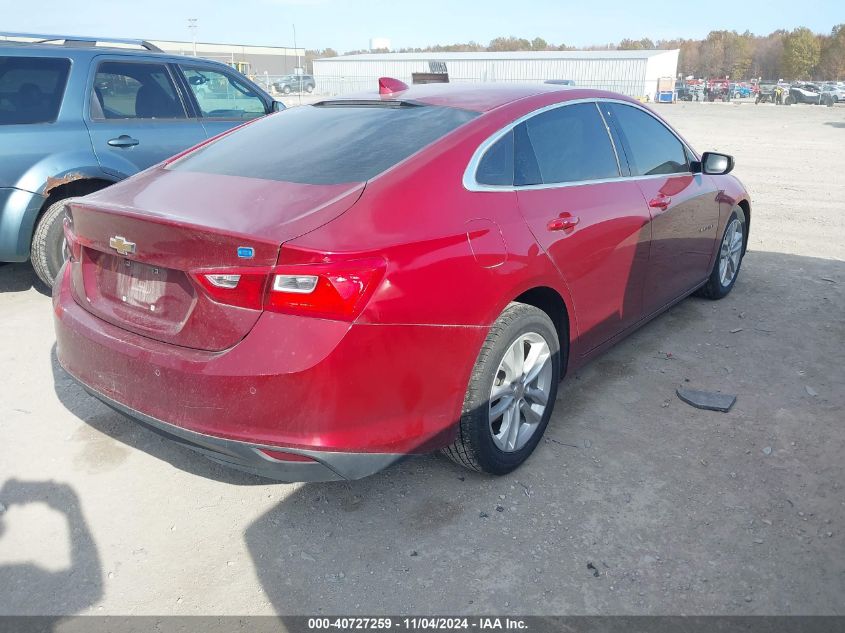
[(728, 259), (48, 243), (511, 392), (286, 90), (309, 88)]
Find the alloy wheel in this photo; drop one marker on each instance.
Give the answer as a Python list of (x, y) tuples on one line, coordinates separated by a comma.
[(520, 392), (730, 252)]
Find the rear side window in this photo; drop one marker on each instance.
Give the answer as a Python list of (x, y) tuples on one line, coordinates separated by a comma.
[(571, 144), (126, 90), (496, 166), (325, 144), (649, 145), (31, 89)]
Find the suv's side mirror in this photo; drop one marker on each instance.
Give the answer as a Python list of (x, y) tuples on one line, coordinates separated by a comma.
[(277, 106), (714, 163)]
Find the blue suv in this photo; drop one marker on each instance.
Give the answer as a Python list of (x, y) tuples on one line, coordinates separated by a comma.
[(79, 114)]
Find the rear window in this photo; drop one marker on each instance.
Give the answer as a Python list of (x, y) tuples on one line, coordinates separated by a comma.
[(31, 89), (325, 144)]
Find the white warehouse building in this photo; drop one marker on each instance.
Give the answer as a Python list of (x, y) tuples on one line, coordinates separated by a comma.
[(634, 73)]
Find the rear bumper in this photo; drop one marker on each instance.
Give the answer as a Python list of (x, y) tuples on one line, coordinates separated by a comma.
[(18, 211), (352, 397), (327, 465)]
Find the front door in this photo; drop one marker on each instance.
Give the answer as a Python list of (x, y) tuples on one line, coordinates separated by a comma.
[(136, 116), (593, 224)]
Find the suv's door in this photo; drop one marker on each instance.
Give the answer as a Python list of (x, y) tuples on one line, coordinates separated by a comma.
[(591, 221), (683, 205), (223, 99), (136, 116)]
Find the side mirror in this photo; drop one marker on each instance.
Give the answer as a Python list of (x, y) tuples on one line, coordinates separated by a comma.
[(716, 164), (278, 106)]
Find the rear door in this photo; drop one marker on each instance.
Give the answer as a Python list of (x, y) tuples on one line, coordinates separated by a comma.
[(222, 98), (136, 116), (683, 206), (593, 224)]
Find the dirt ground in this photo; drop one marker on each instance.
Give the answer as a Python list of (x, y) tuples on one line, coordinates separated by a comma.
[(635, 503)]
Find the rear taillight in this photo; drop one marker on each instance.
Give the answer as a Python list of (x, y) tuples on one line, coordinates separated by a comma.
[(242, 287), (330, 288), (337, 290)]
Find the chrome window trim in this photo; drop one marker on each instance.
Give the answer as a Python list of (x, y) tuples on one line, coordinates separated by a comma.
[(471, 184), (610, 137)]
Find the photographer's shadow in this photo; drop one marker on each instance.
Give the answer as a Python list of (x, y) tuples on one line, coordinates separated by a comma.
[(30, 589)]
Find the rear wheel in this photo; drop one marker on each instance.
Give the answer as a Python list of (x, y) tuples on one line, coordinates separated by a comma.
[(48, 243), (309, 88), (511, 392), (729, 258)]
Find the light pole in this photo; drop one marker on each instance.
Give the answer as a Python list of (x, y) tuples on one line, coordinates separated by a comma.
[(294, 45), (192, 27), (298, 68)]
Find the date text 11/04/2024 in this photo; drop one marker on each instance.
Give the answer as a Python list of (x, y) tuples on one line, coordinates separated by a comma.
[(417, 623)]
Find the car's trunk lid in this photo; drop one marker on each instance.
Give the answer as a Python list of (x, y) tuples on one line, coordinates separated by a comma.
[(140, 244)]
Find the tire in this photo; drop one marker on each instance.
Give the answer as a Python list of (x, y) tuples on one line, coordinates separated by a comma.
[(309, 88), (476, 446), (286, 90), (48, 243), (717, 285), (789, 100)]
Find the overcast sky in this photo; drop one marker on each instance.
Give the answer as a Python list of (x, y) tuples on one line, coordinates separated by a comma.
[(349, 24)]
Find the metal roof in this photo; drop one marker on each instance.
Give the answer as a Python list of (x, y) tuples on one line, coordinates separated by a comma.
[(512, 55)]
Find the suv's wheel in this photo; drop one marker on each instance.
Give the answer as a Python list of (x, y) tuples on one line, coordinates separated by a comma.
[(48, 243), (309, 88), (728, 259), (511, 392), (286, 90)]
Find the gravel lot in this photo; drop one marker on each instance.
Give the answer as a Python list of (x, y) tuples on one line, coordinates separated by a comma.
[(636, 503)]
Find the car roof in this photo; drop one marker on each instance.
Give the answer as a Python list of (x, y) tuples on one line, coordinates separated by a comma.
[(481, 97), (84, 50)]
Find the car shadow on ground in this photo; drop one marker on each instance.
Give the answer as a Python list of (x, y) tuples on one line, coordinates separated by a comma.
[(19, 278), (109, 422), (28, 588)]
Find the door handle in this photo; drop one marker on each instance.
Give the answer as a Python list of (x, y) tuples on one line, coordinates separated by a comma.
[(660, 202), (564, 223), (124, 140)]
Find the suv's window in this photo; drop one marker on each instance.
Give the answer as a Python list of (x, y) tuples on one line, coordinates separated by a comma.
[(328, 144), (129, 90), (496, 166), (223, 96), (649, 145), (571, 144), (31, 89)]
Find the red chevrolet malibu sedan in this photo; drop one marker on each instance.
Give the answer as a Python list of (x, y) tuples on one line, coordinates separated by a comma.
[(326, 290)]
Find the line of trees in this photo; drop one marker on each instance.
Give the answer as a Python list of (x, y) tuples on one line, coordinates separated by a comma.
[(796, 54)]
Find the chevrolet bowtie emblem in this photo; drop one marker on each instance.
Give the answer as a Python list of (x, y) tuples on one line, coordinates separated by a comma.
[(120, 244)]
